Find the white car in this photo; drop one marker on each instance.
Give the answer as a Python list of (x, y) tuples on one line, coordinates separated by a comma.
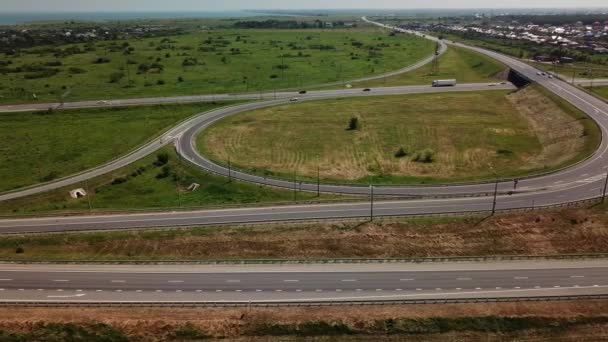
[(103, 102), (550, 76), (293, 99)]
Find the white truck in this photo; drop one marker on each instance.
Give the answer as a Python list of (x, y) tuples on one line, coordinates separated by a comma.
[(444, 83)]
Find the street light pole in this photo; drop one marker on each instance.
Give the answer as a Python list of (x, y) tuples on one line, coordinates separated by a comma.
[(604, 190), (371, 202), (495, 195), (318, 181), (295, 187)]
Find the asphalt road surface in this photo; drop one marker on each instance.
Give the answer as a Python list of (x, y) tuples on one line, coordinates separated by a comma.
[(300, 283)]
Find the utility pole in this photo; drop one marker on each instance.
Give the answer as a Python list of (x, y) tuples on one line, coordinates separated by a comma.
[(295, 186), (179, 197), (86, 185), (371, 202), (318, 181), (495, 195), (605, 187)]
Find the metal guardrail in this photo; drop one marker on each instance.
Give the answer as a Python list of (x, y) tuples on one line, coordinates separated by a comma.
[(336, 261), (244, 304)]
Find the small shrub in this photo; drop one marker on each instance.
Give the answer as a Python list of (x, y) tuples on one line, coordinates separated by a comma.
[(180, 79), (115, 77), (401, 152), (101, 60), (353, 124), (160, 82), (504, 152), (161, 159), (119, 180), (165, 172), (20, 250), (426, 156), (50, 176), (76, 71)]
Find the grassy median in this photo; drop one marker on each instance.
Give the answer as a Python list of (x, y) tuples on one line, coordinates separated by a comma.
[(159, 181), (601, 91), (419, 139), (464, 65), (42, 146)]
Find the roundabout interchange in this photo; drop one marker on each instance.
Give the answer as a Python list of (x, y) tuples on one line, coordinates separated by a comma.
[(312, 283)]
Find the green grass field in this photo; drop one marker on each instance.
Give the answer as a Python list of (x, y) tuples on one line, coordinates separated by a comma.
[(464, 65), (38, 147), (144, 185), (444, 137), (206, 62), (601, 91)]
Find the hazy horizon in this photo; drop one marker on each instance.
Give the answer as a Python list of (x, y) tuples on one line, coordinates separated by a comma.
[(243, 5)]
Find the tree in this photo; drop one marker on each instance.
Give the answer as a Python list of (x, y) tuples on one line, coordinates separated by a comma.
[(353, 124), (161, 159)]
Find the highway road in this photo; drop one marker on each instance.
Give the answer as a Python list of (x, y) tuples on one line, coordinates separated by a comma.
[(335, 282), (300, 283)]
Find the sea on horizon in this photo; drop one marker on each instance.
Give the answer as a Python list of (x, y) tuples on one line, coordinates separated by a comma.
[(18, 18)]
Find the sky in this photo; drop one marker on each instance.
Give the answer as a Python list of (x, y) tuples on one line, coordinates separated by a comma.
[(229, 5)]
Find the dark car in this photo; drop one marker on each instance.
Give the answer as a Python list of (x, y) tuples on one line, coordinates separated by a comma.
[(367, 89), (303, 92)]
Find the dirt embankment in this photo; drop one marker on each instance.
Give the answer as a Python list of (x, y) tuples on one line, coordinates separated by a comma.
[(520, 321)]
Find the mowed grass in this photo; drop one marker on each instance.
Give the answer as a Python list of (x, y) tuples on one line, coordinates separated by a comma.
[(464, 65), (205, 62), (40, 146), (146, 185), (468, 136)]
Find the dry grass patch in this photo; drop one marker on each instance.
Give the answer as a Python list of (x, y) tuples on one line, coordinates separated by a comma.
[(165, 324), (464, 136), (559, 232)]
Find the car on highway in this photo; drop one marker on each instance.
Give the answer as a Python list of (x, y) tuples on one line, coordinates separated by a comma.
[(539, 73), (103, 102), (367, 89), (293, 99), (543, 73), (550, 76), (302, 92)]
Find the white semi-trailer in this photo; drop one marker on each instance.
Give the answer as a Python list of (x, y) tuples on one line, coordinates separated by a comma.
[(444, 83)]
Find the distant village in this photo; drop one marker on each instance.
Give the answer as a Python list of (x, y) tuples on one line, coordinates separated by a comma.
[(19, 37), (591, 38)]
